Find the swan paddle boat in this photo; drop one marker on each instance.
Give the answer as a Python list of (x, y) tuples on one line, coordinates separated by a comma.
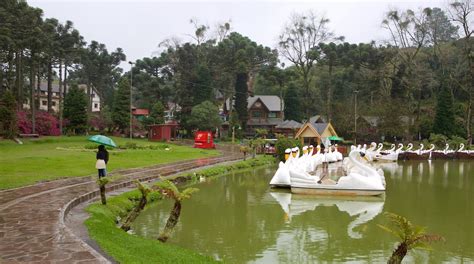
[(360, 180)]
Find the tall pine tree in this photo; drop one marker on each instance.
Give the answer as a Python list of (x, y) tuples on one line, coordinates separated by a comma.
[(241, 99), (292, 105), (121, 106), (75, 110), (203, 85), (444, 119)]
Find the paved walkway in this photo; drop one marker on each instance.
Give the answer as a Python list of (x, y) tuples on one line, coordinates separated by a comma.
[(32, 225)]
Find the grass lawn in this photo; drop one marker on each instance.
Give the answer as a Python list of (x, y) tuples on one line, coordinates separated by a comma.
[(51, 158)]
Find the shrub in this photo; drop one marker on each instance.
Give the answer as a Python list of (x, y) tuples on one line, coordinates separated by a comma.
[(46, 123), (284, 143), (456, 141), (438, 139)]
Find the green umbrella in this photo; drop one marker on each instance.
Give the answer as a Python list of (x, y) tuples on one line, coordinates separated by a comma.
[(99, 139), (335, 138)]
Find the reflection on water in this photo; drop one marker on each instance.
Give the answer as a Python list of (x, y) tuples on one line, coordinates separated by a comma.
[(238, 219), (364, 208)]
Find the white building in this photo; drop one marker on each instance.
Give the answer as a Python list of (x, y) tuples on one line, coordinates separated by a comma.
[(43, 97)]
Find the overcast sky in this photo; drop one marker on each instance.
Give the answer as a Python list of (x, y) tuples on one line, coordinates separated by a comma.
[(138, 26)]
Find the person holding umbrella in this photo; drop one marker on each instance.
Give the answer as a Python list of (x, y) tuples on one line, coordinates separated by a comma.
[(102, 155)]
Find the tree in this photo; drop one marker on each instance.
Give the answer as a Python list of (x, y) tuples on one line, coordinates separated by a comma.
[(102, 182), (169, 190), (8, 115), (150, 79), (411, 237), (75, 110), (99, 70), (158, 113), (444, 119), (297, 44), (144, 192), (292, 104), (204, 91), (121, 106), (205, 116), (243, 57), (461, 13), (241, 101)]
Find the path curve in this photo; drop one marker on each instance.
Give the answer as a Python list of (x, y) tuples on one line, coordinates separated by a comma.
[(32, 228)]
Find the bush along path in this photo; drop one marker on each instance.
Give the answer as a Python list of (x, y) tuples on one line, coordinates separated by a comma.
[(126, 248), (32, 226)]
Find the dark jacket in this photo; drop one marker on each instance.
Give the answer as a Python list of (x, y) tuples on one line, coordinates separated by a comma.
[(103, 155)]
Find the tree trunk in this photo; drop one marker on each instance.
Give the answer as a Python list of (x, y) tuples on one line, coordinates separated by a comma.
[(134, 213), (32, 95), (1, 77), (19, 79), (10, 72), (398, 255), (38, 89), (50, 86), (468, 119), (60, 108), (89, 97), (103, 199), (172, 221), (65, 81)]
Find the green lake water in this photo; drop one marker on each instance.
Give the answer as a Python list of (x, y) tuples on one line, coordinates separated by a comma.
[(237, 218)]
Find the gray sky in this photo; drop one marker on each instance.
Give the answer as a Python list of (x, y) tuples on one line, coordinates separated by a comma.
[(138, 26)]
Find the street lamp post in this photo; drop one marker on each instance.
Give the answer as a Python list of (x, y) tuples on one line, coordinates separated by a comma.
[(131, 85), (355, 116)]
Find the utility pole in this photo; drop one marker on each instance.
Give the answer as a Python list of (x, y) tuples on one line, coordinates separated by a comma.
[(131, 86), (355, 116)]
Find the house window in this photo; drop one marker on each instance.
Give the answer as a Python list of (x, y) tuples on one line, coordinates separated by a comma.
[(44, 102), (96, 106), (256, 114), (53, 103), (272, 115)]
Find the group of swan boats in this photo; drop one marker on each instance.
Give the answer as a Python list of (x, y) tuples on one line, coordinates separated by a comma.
[(329, 173)]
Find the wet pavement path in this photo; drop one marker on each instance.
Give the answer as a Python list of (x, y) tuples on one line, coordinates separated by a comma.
[(32, 228)]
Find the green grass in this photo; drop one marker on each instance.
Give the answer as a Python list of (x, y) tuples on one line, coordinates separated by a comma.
[(51, 158), (126, 248)]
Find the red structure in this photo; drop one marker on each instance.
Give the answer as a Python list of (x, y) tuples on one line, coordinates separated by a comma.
[(204, 139), (162, 132)]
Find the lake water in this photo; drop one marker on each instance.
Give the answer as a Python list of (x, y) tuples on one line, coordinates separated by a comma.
[(239, 219)]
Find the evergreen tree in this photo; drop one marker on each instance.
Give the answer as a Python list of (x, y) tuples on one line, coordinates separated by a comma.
[(203, 85), (292, 105), (205, 116), (75, 110), (158, 113), (8, 125), (241, 99), (121, 106), (444, 118)]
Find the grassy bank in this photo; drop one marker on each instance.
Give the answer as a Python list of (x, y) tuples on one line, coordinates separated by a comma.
[(127, 248), (51, 158)]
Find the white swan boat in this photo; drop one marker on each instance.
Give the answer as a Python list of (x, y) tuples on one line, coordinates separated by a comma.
[(361, 180)]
